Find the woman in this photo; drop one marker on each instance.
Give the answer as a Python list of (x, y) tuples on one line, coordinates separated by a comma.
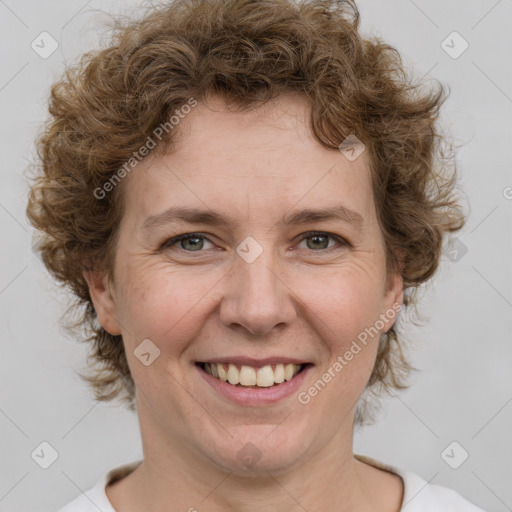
[(243, 196)]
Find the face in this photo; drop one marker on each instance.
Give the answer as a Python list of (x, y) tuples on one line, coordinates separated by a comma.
[(265, 287)]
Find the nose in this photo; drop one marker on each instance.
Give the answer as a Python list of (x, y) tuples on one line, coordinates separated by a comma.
[(257, 297)]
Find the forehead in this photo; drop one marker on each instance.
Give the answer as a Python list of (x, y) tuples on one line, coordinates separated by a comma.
[(263, 160)]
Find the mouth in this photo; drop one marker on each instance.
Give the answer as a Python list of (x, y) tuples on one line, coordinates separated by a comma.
[(253, 377)]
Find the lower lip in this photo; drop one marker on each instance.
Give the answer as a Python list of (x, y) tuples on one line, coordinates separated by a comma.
[(256, 396)]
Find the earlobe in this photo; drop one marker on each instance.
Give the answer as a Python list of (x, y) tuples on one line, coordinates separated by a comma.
[(103, 300)]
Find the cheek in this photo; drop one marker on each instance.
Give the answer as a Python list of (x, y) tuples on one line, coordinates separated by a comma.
[(344, 308), (345, 301), (344, 316), (162, 303)]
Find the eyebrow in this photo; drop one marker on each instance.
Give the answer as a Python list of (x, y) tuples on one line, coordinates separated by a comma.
[(211, 218)]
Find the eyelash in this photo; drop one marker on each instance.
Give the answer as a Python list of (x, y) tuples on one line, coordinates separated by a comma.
[(172, 241)]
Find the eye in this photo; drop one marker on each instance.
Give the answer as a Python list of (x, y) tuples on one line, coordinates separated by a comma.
[(195, 242), (320, 240)]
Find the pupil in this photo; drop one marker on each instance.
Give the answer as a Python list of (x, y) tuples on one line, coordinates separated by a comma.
[(196, 244), (318, 237)]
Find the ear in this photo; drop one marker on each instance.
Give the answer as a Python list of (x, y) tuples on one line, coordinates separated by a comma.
[(103, 300), (394, 294)]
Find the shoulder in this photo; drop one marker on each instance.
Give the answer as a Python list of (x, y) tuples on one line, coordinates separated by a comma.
[(422, 496), (95, 498)]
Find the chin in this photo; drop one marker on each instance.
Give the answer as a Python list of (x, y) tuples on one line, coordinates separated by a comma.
[(259, 449)]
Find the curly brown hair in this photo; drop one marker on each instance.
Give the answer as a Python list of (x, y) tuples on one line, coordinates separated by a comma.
[(248, 51)]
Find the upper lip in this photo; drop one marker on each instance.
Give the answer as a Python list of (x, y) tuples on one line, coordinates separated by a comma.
[(256, 363)]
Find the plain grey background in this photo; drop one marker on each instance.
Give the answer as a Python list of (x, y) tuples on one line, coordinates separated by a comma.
[(463, 392)]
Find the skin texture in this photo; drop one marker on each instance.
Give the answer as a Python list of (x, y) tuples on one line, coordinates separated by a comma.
[(297, 299)]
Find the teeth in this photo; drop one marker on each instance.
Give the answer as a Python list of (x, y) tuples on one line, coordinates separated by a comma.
[(279, 374), (248, 376), (288, 371), (223, 374), (233, 374), (265, 377)]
